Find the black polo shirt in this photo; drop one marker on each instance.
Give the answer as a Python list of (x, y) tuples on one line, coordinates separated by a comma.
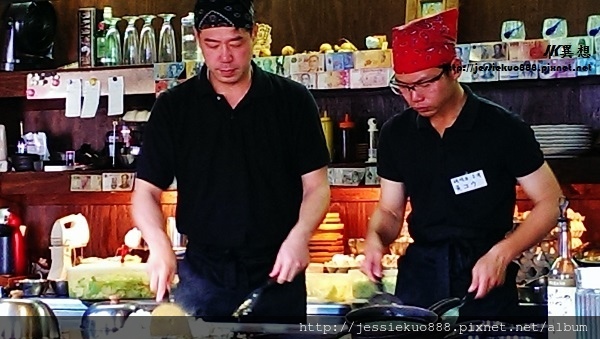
[(238, 170), (484, 137)]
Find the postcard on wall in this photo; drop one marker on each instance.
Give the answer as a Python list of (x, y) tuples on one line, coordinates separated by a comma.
[(118, 181), (86, 183)]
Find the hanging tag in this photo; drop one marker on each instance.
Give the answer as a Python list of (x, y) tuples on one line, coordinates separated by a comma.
[(73, 102), (91, 98), (116, 92)]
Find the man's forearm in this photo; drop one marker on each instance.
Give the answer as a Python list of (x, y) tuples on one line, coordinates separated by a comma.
[(385, 225), (148, 216), (315, 204), (539, 223)]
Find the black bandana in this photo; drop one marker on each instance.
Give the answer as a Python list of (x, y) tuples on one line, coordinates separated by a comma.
[(224, 13)]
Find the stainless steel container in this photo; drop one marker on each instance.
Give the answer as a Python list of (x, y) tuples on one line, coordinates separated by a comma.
[(587, 303), (178, 240), (103, 318), (27, 318)]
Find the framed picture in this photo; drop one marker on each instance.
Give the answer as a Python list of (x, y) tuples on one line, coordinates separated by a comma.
[(421, 8)]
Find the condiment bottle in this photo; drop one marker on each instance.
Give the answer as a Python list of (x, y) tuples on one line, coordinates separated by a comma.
[(346, 127), (327, 125), (561, 279)]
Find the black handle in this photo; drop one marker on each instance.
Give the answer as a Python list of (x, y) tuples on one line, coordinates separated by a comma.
[(379, 284), (443, 306)]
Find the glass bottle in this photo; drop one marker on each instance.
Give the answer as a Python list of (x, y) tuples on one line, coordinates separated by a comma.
[(562, 285), (189, 44), (101, 35)]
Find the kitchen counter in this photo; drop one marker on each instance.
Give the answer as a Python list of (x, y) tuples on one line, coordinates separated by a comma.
[(330, 318)]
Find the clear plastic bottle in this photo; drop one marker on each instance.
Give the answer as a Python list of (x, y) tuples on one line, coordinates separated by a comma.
[(189, 44)]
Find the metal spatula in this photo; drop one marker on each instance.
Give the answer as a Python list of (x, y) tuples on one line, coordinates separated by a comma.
[(381, 297), (248, 305)]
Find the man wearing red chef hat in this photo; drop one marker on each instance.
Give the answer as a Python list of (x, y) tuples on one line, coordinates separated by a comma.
[(457, 157)]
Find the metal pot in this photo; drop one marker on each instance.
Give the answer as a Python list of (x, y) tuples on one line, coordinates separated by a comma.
[(106, 317), (391, 317), (534, 291), (27, 318), (32, 287)]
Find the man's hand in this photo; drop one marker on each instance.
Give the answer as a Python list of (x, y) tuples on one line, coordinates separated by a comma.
[(373, 252), (162, 265), (293, 258), (489, 272)]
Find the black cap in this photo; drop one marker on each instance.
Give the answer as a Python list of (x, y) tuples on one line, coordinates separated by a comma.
[(224, 13)]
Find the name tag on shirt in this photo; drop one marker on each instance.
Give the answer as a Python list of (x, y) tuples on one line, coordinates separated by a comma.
[(468, 182)]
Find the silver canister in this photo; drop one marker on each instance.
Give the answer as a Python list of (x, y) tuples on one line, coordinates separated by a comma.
[(178, 240), (587, 303)]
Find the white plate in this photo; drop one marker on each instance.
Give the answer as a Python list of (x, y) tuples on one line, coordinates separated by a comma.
[(565, 143), (564, 151), (561, 126)]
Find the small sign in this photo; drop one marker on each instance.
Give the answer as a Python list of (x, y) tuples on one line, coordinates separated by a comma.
[(468, 182)]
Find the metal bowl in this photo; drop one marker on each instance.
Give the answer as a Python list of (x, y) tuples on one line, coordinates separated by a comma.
[(32, 287), (533, 294), (27, 318)]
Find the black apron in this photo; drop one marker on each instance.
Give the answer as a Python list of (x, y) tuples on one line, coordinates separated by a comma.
[(214, 282), (432, 272)]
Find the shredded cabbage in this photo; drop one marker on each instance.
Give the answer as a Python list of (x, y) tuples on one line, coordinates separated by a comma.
[(126, 287)]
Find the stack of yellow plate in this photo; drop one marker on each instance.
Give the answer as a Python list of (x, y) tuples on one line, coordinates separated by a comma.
[(328, 239)]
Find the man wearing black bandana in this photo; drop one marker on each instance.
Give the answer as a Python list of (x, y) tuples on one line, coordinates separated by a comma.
[(249, 156)]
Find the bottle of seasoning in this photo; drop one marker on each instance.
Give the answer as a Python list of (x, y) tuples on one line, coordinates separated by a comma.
[(347, 151), (561, 279), (327, 125), (7, 266)]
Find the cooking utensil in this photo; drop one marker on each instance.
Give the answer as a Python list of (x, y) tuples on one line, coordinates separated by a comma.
[(533, 294), (449, 311), (587, 258), (382, 297), (32, 287), (248, 305), (27, 318), (445, 310), (539, 281), (105, 317)]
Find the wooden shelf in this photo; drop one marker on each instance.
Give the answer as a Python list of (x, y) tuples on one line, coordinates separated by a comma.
[(50, 188), (139, 79), (13, 84)]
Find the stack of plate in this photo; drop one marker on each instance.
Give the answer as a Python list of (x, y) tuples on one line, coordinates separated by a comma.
[(563, 141), (327, 240)]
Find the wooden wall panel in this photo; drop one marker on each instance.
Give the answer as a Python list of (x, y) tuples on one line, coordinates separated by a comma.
[(109, 222), (356, 208), (108, 226)]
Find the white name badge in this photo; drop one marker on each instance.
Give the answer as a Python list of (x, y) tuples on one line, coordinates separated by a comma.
[(468, 182)]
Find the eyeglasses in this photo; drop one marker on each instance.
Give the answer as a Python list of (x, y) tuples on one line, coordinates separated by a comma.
[(399, 88)]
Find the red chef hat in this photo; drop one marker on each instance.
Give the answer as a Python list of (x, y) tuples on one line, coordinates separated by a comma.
[(425, 43)]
